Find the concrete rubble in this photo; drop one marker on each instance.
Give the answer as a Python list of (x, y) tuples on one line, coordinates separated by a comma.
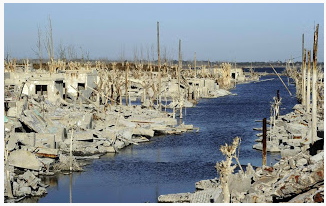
[(298, 178), (68, 112)]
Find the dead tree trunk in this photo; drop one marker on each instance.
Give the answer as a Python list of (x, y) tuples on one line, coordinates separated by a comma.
[(159, 64), (126, 85), (314, 89), (303, 101), (308, 83), (225, 168)]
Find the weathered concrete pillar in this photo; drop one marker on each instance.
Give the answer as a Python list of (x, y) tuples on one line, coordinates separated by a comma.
[(308, 83), (264, 142), (314, 89), (303, 101)]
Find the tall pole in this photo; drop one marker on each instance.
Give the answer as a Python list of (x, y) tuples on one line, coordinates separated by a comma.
[(308, 83), (180, 63), (264, 142), (179, 67), (158, 45), (195, 67), (126, 86), (303, 101), (302, 89), (159, 63), (314, 89)]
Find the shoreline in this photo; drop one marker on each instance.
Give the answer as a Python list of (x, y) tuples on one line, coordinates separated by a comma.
[(285, 181)]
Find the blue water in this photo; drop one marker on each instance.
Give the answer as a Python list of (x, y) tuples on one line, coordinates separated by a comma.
[(173, 163)]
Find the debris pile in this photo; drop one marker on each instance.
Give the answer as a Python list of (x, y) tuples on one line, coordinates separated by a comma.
[(298, 178), (64, 112)]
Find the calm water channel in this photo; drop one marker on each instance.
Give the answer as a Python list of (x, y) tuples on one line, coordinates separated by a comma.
[(172, 164)]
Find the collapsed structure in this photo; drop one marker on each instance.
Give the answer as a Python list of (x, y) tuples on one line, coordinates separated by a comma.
[(70, 109)]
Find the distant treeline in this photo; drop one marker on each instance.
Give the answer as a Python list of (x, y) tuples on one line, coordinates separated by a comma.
[(186, 63)]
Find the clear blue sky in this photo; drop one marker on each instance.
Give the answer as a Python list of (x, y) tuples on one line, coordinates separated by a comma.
[(222, 32)]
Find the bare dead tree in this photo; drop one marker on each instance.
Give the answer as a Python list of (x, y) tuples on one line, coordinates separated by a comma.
[(49, 40), (164, 55), (87, 55), (72, 54), (61, 52), (7, 57), (122, 54), (82, 54), (141, 54), (135, 55), (39, 51), (148, 59)]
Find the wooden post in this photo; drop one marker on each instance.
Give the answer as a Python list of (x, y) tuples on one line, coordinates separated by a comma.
[(126, 86), (308, 83), (314, 89), (264, 142), (303, 93)]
